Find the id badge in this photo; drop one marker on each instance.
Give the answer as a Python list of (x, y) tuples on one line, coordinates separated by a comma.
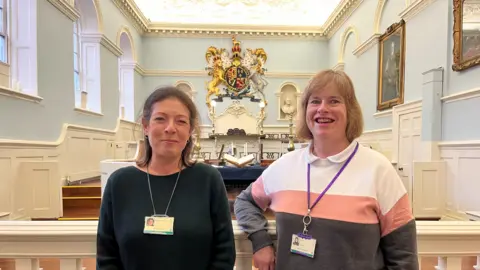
[(303, 245), (158, 225)]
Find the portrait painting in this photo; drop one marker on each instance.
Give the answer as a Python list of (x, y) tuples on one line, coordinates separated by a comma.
[(391, 67), (466, 34)]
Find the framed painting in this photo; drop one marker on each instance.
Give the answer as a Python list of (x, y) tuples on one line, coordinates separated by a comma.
[(466, 34), (391, 67)]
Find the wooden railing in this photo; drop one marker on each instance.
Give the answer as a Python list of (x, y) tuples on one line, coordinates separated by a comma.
[(450, 245)]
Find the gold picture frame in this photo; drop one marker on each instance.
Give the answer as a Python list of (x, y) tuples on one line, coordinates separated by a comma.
[(466, 41), (391, 67)]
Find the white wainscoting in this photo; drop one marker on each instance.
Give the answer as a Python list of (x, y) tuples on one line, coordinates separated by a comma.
[(462, 179), (32, 172), (379, 140)]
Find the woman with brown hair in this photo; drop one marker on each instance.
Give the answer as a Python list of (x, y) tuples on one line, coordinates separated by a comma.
[(337, 204), (166, 212)]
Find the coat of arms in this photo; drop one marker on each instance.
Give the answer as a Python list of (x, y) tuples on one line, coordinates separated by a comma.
[(240, 75)]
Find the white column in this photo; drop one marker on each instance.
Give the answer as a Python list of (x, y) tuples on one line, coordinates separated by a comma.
[(90, 46), (24, 46)]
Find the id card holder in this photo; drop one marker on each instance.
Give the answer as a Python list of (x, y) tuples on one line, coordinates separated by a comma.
[(303, 244), (162, 225)]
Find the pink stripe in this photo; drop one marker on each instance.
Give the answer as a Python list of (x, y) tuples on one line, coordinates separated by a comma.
[(357, 209), (259, 195), (399, 215)]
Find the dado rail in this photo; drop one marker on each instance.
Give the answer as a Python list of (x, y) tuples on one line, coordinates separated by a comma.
[(445, 244)]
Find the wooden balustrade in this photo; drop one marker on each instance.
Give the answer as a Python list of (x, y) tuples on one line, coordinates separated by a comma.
[(443, 245)]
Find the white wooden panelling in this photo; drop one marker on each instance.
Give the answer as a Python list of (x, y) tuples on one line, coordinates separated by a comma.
[(41, 193), (428, 189), (462, 178), (379, 140), (78, 152)]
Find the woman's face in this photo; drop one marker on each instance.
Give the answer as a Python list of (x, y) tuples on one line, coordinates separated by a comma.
[(168, 128), (326, 113)]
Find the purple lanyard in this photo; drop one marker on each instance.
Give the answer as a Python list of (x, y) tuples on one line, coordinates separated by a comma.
[(329, 185)]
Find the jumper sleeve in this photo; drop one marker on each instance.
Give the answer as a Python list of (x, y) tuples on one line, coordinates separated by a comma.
[(108, 257), (399, 232), (249, 207), (224, 253)]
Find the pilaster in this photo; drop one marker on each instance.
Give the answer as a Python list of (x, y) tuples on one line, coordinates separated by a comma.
[(432, 89)]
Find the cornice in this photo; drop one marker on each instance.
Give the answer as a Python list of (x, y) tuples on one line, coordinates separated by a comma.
[(131, 11), (104, 41), (245, 31), (139, 69), (200, 73), (67, 9), (365, 46), (339, 16), (339, 66), (109, 45)]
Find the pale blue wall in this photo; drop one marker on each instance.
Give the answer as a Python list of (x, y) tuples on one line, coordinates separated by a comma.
[(364, 69), (461, 118), (188, 54), (25, 120), (426, 49)]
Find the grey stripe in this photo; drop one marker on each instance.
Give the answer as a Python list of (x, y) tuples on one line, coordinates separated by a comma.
[(346, 246), (251, 219)]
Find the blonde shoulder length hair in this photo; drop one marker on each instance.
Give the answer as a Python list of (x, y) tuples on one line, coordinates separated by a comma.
[(345, 88)]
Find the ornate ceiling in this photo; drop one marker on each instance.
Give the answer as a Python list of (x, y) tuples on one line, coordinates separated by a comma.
[(255, 18), (239, 12)]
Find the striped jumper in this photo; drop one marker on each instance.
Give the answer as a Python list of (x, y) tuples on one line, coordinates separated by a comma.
[(363, 222)]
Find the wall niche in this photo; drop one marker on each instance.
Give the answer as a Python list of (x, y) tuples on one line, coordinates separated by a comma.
[(288, 100)]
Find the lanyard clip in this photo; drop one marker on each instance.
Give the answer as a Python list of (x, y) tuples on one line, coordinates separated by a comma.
[(307, 219)]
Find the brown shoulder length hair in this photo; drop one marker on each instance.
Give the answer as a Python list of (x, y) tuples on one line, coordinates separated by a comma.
[(161, 94), (345, 88)]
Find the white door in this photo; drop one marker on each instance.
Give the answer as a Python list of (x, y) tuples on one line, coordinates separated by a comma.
[(409, 135)]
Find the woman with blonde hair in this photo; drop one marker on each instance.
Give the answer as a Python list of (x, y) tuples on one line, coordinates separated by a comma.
[(337, 204), (167, 212)]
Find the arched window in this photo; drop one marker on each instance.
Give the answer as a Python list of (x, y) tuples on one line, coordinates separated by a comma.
[(88, 52), (23, 51), (126, 75), (77, 63)]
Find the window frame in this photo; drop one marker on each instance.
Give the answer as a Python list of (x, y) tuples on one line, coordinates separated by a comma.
[(4, 33), (77, 55)]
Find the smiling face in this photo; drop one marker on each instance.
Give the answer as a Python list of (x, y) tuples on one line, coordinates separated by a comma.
[(168, 128), (326, 113)]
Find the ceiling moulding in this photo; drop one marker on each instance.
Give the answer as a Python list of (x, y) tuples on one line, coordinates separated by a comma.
[(339, 16), (133, 13), (341, 13), (207, 30)]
